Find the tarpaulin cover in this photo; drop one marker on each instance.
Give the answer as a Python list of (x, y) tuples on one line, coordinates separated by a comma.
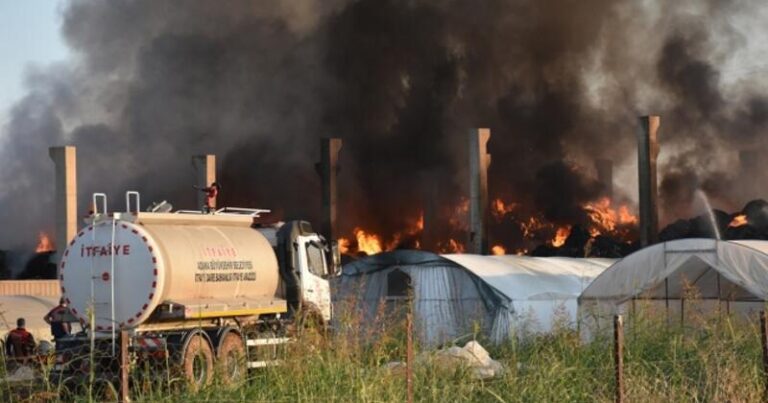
[(717, 269), (454, 293), (448, 301), (542, 290), (683, 280)]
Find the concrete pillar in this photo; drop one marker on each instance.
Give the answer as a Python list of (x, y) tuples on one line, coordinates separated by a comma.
[(65, 201), (205, 168), (604, 168), (328, 168), (479, 161), (429, 204), (647, 152)]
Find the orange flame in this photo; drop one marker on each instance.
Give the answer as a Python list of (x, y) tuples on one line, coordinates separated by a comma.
[(44, 243), (625, 217), (738, 221), (606, 219), (452, 246), (531, 226), (499, 208), (344, 245), (498, 250), (369, 244), (561, 235)]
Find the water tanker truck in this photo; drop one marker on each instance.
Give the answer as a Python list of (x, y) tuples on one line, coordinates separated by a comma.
[(190, 290)]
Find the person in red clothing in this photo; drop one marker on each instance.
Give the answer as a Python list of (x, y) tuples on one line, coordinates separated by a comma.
[(211, 192), (19, 344), (56, 317)]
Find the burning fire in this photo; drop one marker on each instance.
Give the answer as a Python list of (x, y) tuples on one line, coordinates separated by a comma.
[(499, 208), (343, 245), (603, 219), (44, 243), (369, 244), (530, 227), (738, 221), (560, 236), (452, 246)]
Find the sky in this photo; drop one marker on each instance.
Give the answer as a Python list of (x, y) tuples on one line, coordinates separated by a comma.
[(29, 36)]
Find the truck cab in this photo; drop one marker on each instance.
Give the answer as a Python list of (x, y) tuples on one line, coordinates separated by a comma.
[(307, 262)]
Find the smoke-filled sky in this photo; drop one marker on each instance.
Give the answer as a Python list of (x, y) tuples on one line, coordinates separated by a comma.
[(151, 83)]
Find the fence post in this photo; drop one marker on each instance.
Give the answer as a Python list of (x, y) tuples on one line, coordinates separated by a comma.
[(618, 355), (124, 366), (409, 350), (764, 343)]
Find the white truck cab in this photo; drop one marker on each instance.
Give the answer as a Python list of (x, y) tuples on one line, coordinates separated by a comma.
[(316, 261)]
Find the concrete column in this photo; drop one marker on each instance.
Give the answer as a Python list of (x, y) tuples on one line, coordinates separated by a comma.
[(604, 168), (328, 168), (429, 204), (479, 161), (65, 201), (205, 168), (647, 152)]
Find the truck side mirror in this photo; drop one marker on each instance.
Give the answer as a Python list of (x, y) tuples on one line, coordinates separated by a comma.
[(335, 259)]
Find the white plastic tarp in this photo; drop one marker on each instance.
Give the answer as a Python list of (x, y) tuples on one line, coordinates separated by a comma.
[(542, 290), (736, 270), (448, 300)]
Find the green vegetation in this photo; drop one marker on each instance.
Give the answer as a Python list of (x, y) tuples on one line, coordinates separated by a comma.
[(710, 360)]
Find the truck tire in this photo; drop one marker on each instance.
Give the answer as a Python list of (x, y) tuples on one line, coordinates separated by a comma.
[(197, 362), (231, 359)]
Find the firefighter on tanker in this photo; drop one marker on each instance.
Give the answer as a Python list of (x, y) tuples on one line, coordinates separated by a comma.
[(211, 192)]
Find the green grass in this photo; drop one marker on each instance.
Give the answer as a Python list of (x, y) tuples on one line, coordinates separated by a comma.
[(715, 360)]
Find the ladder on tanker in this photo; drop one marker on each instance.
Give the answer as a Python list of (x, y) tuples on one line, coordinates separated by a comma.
[(98, 299)]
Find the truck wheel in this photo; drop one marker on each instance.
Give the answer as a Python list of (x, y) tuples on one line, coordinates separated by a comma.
[(231, 359), (198, 362)]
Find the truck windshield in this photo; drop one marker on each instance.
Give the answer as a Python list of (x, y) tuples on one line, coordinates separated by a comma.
[(315, 257)]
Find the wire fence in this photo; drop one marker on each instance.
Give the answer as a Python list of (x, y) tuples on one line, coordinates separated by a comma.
[(556, 361)]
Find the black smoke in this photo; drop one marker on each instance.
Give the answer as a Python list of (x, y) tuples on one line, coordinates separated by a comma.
[(559, 83)]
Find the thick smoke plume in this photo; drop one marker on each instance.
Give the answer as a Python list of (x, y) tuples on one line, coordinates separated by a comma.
[(560, 83)]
